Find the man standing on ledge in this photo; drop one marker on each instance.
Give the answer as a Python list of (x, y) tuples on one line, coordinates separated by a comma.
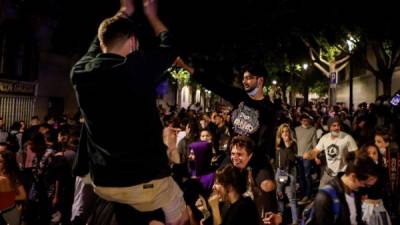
[(125, 167), (254, 115)]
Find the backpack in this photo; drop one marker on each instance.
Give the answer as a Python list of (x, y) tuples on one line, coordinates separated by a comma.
[(308, 215)]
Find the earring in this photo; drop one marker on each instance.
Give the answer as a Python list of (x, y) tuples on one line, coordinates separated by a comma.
[(130, 46), (137, 45)]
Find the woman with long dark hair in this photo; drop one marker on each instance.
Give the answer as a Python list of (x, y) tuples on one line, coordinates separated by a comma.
[(373, 209), (230, 184)]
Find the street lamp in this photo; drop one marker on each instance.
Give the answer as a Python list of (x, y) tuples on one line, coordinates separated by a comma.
[(306, 85), (350, 43), (274, 82)]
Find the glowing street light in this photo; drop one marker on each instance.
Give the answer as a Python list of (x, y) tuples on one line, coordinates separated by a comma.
[(350, 42), (305, 66), (274, 82)]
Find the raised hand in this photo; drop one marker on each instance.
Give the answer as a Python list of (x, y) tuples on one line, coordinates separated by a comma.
[(127, 8), (272, 218), (169, 137), (179, 62), (150, 11), (150, 8)]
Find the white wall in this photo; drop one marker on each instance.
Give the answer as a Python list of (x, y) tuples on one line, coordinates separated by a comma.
[(364, 89)]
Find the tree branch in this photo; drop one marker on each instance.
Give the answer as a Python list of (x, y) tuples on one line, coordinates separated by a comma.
[(341, 49), (322, 69), (299, 75), (371, 68), (347, 57), (312, 51), (395, 55), (323, 60), (306, 43), (342, 66), (380, 56)]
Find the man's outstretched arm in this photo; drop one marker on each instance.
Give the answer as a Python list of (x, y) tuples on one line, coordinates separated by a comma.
[(150, 10)]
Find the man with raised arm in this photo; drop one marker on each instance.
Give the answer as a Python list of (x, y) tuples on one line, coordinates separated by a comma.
[(126, 167)]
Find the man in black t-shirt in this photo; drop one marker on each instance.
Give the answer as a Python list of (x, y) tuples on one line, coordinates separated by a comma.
[(253, 115)]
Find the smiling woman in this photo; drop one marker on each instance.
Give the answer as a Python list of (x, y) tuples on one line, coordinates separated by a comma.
[(230, 184)]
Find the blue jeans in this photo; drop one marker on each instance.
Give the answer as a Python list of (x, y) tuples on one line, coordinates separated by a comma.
[(289, 189), (304, 168)]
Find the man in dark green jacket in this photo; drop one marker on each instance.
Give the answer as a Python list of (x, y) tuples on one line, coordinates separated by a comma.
[(127, 167)]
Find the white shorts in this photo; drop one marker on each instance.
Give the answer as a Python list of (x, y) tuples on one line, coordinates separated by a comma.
[(161, 193)]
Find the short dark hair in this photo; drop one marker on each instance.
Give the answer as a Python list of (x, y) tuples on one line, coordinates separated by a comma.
[(114, 29), (333, 120), (305, 116), (361, 165), (243, 142), (234, 176), (256, 69)]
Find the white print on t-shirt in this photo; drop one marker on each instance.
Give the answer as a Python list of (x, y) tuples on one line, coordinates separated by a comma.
[(245, 120)]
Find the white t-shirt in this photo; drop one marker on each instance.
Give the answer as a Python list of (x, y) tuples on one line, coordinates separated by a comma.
[(320, 132), (336, 150), (181, 135)]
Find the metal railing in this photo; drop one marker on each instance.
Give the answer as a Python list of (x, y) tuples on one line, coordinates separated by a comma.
[(15, 108)]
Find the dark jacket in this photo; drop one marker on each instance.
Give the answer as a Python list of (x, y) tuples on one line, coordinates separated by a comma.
[(323, 206), (117, 95), (286, 158)]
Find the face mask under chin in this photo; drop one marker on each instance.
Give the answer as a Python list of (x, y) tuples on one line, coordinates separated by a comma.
[(253, 92)]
